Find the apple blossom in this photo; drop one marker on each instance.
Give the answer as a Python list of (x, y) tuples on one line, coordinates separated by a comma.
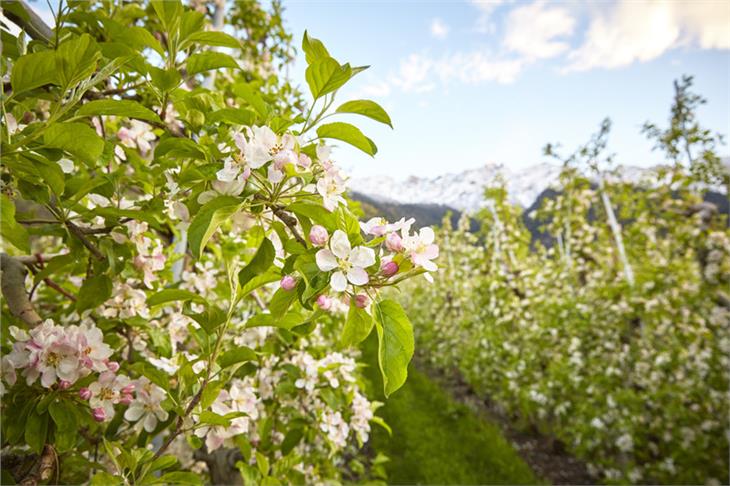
[(421, 249), (107, 392), (389, 268), (331, 189), (393, 242), (349, 262), (324, 302), (99, 414), (318, 235), (288, 282), (146, 407), (85, 393), (362, 301)]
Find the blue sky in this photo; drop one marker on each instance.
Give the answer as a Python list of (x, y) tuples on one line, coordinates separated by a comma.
[(473, 82), (470, 83)]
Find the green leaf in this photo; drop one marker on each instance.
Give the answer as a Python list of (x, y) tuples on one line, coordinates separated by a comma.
[(212, 418), (51, 173), (253, 98), (281, 301), (77, 139), (395, 344), (349, 134), (64, 416), (292, 438), (366, 108), (94, 292), (357, 326), (33, 70), (165, 80), (237, 355), (126, 108), (260, 262), (326, 75), (205, 61), (179, 477), (36, 429), (10, 229), (233, 116), (213, 38), (76, 60), (258, 281), (179, 147), (263, 463), (313, 49), (172, 295), (135, 37), (207, 221)]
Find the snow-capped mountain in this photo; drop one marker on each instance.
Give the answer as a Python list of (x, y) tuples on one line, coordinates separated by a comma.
[(465, 190)]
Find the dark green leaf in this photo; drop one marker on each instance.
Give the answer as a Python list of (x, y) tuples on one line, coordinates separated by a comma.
[(77, 139), (357, 326), (172, 295), (10, 230), (94, 292), (33, 70), (395, 344), (207, 221), (260, 262)]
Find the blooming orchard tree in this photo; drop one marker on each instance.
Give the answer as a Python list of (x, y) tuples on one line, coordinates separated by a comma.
[(197, 278), (630, 375)]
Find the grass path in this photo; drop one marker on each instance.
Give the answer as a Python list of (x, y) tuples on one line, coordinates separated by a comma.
[(437, 440)]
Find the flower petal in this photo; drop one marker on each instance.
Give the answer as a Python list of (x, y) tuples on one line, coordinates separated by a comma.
[(326, 260), (362, 256), (357, 276), (338, 282), (340, 244), (426, 235)]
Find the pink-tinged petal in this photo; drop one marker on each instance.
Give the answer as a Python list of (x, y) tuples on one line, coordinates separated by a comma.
[(340, 244), (431, 252), (326, 260), (357, 276), (428, 277), (275, 175), (362, 256), (338, 282), (240, 141)]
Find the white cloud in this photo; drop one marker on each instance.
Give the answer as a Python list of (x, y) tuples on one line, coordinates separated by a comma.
[(378, 89), (486, 8), (534, 30), (639, 31), (420, 73), (439, 29)]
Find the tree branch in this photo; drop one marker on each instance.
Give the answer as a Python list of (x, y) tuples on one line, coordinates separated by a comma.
[(13, 289), (20, 13)]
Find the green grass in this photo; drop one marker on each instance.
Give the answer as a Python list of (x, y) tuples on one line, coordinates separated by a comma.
[(437, 440)]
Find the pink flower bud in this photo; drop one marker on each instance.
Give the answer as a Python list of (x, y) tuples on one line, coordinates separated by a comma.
[(99, 414), (393, 242), (288, 282), (126, 399), (318, 235), (389, 269), (112, 366), (64, 385), (324, 302), (304, 161), (246, 173), (85, 393), (362, 301), (127, 390)]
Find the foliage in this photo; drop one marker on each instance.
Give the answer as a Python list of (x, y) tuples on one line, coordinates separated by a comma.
[(631, 374), (435, 440), (198, 278)]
